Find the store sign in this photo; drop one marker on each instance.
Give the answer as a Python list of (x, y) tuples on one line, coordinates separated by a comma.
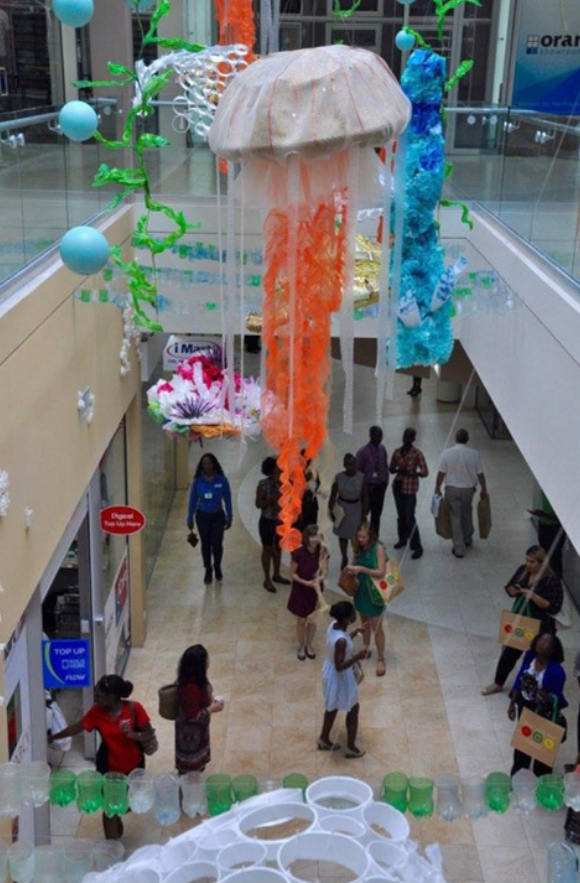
[(66, 663), (181, 346), (122, 520), (547, 58)]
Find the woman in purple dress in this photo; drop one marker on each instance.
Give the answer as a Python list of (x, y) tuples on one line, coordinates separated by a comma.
[(306, 583)]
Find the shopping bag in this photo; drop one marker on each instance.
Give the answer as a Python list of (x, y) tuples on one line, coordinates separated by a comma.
[(516, 629), (484, 517), (391, 584), (348, 582), (55, 722), (537, 736), (443, 520)]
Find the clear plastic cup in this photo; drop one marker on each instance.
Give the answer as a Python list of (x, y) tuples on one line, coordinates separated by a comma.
[(10, 798), (34, 782), (166, 806), (107, 853), (141, 792), (48, 864), (473, 792), (21, 861), (193, 799), (78, 860)]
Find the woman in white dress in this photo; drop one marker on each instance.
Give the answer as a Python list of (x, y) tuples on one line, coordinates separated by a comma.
[(339, 684)]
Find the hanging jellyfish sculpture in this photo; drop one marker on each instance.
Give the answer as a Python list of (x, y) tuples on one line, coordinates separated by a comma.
[(424, 333), (303, 125)]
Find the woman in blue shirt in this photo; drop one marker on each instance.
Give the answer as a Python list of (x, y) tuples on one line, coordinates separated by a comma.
[(540, 680), (210, 494)]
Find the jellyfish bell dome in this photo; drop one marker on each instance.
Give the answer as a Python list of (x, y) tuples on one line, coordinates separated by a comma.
[(309, 102)]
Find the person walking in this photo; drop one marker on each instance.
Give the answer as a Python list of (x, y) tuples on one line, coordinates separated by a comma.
[(373, 461), (123, 727), (268, 501), (542, 593), (408, 465), (196, 704), (338, 679), (461, 469), (210, 495), (350, 491)]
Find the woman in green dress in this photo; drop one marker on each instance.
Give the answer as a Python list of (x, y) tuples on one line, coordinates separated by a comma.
[(370, 561)]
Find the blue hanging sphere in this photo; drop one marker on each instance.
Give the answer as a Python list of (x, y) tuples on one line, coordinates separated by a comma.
[(74, 13), (84, 250), (78, 120), (140, 5), (404, 41)]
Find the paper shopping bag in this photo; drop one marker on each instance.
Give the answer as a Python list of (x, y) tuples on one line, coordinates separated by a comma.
[(392, 584), (484, 517), (516, 630), (443, 520), (537, 737)]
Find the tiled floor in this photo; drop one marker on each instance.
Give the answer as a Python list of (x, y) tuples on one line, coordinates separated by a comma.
[(427, 715)]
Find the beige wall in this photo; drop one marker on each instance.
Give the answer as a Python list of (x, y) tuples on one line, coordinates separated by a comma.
[(52, 346)]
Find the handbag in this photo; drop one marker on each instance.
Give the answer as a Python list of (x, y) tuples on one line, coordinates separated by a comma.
[(148, 743), (359, 672), (348, 582), (168, 697), (391, 584), (443, 520), (192, 538), (539, 737), (484, 517), (515, 628), (338, 514)]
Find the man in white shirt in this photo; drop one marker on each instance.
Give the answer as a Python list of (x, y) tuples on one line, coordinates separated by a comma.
[(461, 469)]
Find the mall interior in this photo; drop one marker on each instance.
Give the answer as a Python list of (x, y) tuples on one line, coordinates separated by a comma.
[(76, 436)]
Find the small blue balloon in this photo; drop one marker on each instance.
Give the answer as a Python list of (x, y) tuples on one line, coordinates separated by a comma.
[(78, 120), (74, 13), (84, 250), (404, 41), (140, 5)]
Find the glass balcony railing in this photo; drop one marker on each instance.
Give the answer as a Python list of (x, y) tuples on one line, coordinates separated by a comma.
[(45, 184), (522, 168)]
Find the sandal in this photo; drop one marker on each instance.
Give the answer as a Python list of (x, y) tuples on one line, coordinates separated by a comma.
[(381, 668), (354, 752), (327, 746), (310, 653), (301, 655), (269, 587)]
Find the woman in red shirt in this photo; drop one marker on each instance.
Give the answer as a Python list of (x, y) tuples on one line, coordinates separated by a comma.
[(122, 726), (196, 705)]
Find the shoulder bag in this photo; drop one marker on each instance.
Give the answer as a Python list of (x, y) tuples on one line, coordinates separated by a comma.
[(391, 584), (539, 737), (516, 629), (168, 701)]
